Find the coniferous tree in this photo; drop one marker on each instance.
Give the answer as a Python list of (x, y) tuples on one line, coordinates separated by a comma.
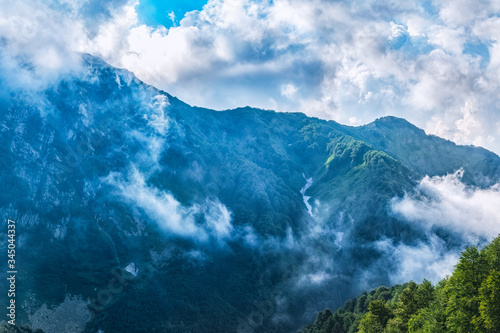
[(405, 308), (463, 291), (376, 319), (489, 307)]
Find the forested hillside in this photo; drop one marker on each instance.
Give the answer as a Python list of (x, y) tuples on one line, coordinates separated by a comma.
[(467, 301), (205, 214)]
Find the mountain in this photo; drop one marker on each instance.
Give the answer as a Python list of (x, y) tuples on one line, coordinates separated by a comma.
[(136, 212)]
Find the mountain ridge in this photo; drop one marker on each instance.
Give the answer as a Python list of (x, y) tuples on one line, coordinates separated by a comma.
[(106, 170)]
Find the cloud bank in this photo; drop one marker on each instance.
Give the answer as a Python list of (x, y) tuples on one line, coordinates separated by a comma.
[(444, 202), (447, 202), (434, 63)]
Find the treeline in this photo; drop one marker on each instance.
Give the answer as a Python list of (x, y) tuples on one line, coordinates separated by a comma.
[(467, 301)]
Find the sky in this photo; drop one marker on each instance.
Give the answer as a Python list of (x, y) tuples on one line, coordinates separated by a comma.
[(165, 13), (435, 63)]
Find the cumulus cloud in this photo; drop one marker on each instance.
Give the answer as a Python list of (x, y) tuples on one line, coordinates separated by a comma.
[(447, 202), (338, 60)]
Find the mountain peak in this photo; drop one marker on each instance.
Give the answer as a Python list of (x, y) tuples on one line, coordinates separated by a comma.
[(394, 122), (263, 195)]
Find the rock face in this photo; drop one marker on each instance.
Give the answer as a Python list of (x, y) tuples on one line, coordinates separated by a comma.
[(218, 208), (7, 328)]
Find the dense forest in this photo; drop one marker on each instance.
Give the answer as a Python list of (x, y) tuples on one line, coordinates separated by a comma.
[(467, 301)]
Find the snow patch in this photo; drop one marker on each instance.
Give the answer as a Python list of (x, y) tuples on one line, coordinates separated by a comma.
[(132, 269)]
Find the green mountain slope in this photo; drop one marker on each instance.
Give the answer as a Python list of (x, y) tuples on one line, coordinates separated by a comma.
[(428, 154), (101, 171)]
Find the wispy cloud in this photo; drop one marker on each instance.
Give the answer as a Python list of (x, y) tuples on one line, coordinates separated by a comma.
[(433, 260), (198, 221), (447, 202), (160, 206)]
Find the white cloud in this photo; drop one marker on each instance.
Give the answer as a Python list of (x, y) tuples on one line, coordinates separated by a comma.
[(37, 44), (158, 118), (316, 278), (170, 215), (447, 202), (171, 16), (417, 26), (398, 31), (334, 60), (288, 90), (432, 261), (160, 206), (353, 121), (218, 219), (465, 12), (449, 40)]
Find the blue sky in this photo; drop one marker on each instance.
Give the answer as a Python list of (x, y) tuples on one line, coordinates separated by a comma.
[(433, 62), (154, 12)]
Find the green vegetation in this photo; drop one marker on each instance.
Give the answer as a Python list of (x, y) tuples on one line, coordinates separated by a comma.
[(65, 153), (467, 301), (426, 154)]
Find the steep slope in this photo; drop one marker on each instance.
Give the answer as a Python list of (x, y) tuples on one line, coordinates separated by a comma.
[(139, 203), (428, 154)]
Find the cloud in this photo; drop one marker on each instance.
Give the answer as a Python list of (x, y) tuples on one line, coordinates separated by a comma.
[(36, 44), (447, 202), (444, 202), (432, 261), (218, 219), (158, 118), (168, 213), (335, 60), (288, 90), (160, 206)]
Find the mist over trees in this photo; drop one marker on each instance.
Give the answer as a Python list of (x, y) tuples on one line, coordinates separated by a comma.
[(467, 301)]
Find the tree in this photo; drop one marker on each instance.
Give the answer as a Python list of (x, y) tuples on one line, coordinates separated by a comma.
[(370, 324), (425, 294), (428, 320), (405, 307), (489, 298), (395, 325), (492, 254), (376, 319), (381, 311), (430, 317), (463, 291), (361, 303)]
